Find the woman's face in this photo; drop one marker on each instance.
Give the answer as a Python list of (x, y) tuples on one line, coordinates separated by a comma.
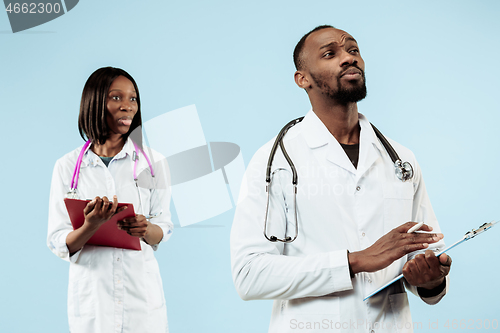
[(121, 103)]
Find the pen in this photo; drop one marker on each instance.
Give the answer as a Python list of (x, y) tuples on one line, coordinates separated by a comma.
[(415, 227)]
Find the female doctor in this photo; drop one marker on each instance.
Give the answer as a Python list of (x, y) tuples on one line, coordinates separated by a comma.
[(112, 289)]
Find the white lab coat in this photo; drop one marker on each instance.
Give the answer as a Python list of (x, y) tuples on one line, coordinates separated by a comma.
[(111, 289), (340, 208)]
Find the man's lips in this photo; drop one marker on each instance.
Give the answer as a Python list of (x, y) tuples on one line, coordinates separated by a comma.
[(352, 73)]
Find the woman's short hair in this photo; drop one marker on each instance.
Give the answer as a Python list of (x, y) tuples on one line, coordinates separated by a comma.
[(92, 121)]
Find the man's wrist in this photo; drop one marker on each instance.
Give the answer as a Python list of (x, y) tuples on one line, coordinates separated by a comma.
[(433, 291), (353, 262)]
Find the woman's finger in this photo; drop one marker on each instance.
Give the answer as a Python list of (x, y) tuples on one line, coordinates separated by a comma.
[(90, 206)]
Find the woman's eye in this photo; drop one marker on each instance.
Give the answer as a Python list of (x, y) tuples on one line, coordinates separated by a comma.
[(115, 98), (134, 99)]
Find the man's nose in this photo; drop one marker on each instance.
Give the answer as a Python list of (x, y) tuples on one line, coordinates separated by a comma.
[(348, 59)]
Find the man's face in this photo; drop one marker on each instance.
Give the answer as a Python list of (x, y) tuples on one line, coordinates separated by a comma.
[(334, 64)]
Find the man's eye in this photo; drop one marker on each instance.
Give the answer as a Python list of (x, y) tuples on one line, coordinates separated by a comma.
[(354, 51), (329, 54)]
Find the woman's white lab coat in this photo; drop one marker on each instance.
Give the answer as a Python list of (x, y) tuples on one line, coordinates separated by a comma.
[(339, 208), (111, 289)]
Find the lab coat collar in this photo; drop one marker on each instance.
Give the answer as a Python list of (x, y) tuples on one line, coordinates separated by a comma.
[(317, 135), (90, 158), (370, 148)]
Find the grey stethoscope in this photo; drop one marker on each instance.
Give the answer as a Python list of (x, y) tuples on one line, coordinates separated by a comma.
[(76, 174), (404, 172)]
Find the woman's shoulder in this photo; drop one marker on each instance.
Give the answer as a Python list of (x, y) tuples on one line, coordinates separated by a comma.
[(69, 158)]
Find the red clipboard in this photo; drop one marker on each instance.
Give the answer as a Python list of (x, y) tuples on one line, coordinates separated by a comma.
[(108, 234)]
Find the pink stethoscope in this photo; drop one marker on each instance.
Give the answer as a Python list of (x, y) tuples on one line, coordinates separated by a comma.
[(76, 173)]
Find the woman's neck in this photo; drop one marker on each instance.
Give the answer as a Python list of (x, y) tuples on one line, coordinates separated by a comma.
[(110, 148)]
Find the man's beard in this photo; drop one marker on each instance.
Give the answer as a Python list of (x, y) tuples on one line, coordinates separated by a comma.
[(343, 95)]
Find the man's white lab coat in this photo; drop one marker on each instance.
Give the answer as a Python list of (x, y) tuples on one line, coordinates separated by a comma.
[(339, 208)]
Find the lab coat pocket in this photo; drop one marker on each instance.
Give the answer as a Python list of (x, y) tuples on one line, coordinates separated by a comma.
[(80, 300), (398, 204), (401, 312), (314, 314), (154, 286)]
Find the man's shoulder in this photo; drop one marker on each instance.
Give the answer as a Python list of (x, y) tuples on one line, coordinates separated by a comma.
[(404, 153), (262, 154)]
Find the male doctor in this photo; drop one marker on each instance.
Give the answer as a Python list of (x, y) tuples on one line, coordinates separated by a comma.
[(353, 213)]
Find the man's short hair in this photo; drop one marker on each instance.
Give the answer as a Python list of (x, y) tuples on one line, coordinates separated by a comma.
[(297, 52), (92, 121)]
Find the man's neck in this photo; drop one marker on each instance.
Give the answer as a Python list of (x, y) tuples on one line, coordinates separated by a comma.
[(110, 148), (341, 120)]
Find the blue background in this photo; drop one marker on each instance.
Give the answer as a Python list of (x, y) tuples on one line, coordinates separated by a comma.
[(432, 75)]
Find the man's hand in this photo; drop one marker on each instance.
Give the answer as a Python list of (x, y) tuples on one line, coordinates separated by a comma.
[(136, 226), (390, 247), (426, 270)]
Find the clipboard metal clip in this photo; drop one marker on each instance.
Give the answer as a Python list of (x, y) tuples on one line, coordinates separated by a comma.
[(474, 232), (468, 235)]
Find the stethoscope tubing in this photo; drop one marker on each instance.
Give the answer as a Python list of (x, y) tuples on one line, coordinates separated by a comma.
[(404, 171), (76, 172)]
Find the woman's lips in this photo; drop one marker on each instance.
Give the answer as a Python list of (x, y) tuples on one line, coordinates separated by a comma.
[(125, 121)]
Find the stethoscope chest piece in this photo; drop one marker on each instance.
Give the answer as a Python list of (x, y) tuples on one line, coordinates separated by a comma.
[(404, 170), (72, 194)]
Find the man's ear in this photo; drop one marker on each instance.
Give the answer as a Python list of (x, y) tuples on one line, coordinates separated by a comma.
[(301, 80)]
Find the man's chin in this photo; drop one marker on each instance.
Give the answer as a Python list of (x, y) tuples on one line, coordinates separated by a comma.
[(353, 95)]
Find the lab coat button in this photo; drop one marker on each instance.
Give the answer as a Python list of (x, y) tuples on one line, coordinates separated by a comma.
[(358, 188), (372, 331), (363, 234)]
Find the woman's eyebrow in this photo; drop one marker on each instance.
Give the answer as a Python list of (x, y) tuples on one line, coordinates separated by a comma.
[(121, 90)]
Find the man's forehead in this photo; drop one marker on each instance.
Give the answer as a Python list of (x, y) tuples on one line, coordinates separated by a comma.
[(327, 36)]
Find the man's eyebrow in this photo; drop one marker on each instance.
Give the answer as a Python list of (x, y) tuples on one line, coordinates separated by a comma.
[(335, 43), (328, 45)]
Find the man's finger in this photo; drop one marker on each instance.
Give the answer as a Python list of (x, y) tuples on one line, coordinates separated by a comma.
[(421, 238), (405, 227), (445, 259), (425, 227)]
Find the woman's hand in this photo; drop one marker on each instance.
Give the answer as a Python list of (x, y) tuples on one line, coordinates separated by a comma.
[(98, 211), (136, 226)]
